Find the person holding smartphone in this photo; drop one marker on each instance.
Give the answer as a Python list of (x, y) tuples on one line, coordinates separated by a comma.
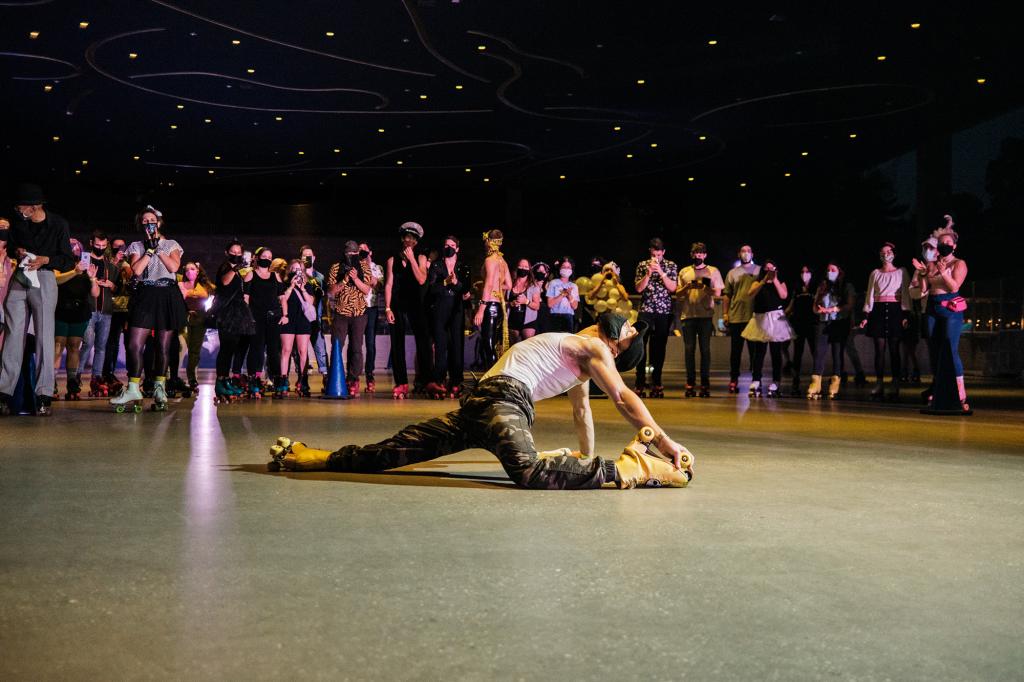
[(76, 291), (699, 285), (768, 329), (563, 297)]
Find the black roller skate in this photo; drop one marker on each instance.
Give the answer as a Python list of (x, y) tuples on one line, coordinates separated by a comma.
[(190, 389), (281, 387), (74, 388), (302, 387), (113, 385), (371, 385), (43, 407), (705, 391), (734, 387), (436, 391), (255, 386), (658, 391), (97, 387), (640, 390), (455, 392), (690, 391)]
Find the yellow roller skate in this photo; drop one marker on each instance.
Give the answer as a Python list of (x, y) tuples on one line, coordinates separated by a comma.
[(294, 456), (636, 468)]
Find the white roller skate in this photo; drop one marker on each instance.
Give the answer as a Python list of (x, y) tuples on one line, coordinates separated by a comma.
[(130, 397)]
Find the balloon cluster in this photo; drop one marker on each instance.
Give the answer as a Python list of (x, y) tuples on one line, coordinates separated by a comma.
[(607, 296)]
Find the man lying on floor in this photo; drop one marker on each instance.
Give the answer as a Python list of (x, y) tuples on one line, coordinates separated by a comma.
[(498, 414)]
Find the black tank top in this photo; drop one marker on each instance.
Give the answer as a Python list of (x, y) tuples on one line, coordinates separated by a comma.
[(264, 294), (406, 292)]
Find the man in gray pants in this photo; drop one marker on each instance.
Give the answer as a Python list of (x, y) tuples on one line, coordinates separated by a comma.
[(41, 243)]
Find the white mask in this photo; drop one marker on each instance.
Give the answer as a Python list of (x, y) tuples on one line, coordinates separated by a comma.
[(833, 275), (806, 277), (565, 272), (887, 257), (930, 255), (746, 257)]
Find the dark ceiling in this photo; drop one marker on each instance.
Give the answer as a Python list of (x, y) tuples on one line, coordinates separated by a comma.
[(442, 93)]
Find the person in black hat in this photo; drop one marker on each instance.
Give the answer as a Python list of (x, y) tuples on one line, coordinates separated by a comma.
[(41, 242), (498, 413)]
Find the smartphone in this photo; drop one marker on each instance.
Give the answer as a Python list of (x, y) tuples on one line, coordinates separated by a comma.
[(85, 258), (247, 258)]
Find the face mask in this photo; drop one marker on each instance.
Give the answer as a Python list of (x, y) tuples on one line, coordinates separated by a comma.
[(363, 255), (806, 277), (833, 276), (191, 275), (263, 262), (235, 259), (308, 260), (697, 262), (566, 273), (449, 251), (746, 257), (540, 274), (945, 249), (887, 257), (97, 252), (522, 272), (929, 255)]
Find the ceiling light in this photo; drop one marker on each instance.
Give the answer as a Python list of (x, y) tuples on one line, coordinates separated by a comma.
[(787, 175), (804, 153), (981, 81), (399, 162), (216, 158), (690, 179), (743, 184), (561, 177), (301, 153), (181, 106), (712, 42), (135, 158), (641, 81), (236, 41), (344, 174), (423, 96), (853, 136), (629, 156), (174, 127), (481, 47), (469, 170), (78, 171), (881, 57), (487, 179), (654, 145), (85, 162), (458, 87), (337, 151), (207, 120), (210, 171), (33, 34), (915, 25), (278, 118), (56, 138), (380, 130), (83, 24), (47, 88), (329, 34), (133, 55), (617, 128), (250, 70)]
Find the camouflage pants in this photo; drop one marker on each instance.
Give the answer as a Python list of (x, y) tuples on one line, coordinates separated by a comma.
[(496, 416)]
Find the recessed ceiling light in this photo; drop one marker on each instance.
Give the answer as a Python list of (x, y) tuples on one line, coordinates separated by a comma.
[(344, 174), (690, 179), (981, 81), (83, 24), (561, 177), (174, 127), (216, 158), (702, 138), (133, 55), (56, 138), (654, 145), (487, 179), (47, 88), (469, 170), (85, 162), (236, 41), (329, 34), (210, 171), (629, 156), (337, 150), (915, 25), (33, 34), (804, 153), (399, 162), (170, 184), (301, 153), (458, 87), (481, 47), (853, 136), (181, 106), (423, 96), (712, 42), (250, 70), (136, 158), (380, 130), (207, 120), (278, 118), (78, 171), (641, 81), (787, 175), (881, 57), (617, 128)]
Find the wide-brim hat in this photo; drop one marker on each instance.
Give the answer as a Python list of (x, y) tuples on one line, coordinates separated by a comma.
[(27, 194), (610, 325)]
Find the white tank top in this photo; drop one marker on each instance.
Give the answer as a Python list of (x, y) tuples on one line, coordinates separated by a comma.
[(538, 363)]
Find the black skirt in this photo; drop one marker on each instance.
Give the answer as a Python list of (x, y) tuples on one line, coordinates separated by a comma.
[(157, 307), (885, 321)]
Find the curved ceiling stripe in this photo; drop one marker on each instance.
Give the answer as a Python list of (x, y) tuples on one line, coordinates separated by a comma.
[(90, 57), (24, 55), (793, 93), (292, 46), (72, 106), (399, 150), (421, 34), (514, 48), (925, 102), (384, 100), (591, 152), (167, 164), (27, 3)]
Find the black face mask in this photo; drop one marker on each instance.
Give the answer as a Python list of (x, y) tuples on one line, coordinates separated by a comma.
[(522, 272), (98, 252), (449, 252), (352, 258), (698, 262), (944, 249), (234, 259), (540, 274), (308, 261), (264, 262), (363, 255)]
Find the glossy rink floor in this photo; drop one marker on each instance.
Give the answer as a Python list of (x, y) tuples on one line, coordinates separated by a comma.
[(818, 540)]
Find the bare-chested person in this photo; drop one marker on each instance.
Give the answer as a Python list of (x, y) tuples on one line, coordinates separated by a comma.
[(490, 316)]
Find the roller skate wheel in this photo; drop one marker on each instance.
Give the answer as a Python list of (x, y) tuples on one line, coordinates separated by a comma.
[(273, 465), (277, 452), (138, 409), (119, 409), (284, 442), (646, 435)]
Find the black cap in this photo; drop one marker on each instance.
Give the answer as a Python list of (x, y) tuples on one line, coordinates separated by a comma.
[(29, 195), (610, 325)]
